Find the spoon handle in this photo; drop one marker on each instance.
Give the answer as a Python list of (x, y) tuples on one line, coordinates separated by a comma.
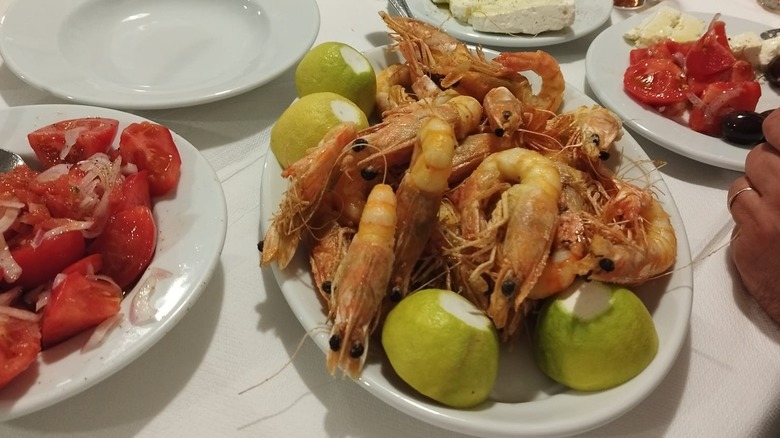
[(402, 8)]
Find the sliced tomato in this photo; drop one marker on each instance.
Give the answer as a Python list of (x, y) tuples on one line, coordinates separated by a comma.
[(77, 303), (43, 262), (134, 192), (89, 265), (88, 136), (655, 81), (20, 343), (127, 244), (151, 147), (710, 54), (62, 195), (720, 99)]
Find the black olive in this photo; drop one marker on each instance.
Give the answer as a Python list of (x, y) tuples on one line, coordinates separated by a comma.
[(742, 127), (772, 73)]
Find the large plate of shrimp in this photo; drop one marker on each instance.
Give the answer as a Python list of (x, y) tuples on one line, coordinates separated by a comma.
[(503, 186), (589, 15)]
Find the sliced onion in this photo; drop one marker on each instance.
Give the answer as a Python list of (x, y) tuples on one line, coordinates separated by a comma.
[(141, 310), (11, 269), (8, 297), (14, 312), (8, 218), (11, 202), (53, 173), (101, 332), (71, 136)]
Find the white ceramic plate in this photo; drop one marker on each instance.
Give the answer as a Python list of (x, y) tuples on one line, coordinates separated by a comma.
[(191, 228), (607, 60), (152, 54), (524, 402), (589, 15)]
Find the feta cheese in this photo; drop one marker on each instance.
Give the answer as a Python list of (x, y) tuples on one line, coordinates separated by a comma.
[(514, 16), (666, 23), (769, 49), (747, 46)]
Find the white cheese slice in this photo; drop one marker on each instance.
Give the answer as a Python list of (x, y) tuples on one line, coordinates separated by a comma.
[(769, 49), (514, 16), (747, 46), (666, 23)]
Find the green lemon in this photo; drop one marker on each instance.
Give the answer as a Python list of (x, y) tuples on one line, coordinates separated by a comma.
[(337, 68), (594, 336), (442, 346), (304, 123)]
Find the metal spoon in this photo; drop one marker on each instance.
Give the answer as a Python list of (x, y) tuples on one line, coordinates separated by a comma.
[(9, 160), (402, 8), (769, 34)]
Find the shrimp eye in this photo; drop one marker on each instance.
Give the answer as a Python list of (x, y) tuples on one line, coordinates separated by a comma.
[(604, 155), (359, 144), (335, 342), (260, 245), (499, 132), (595, 139), (326, 286), (508, 287), (607, 265), (507, 114), (368, 174), (395, 294), (357, 350)]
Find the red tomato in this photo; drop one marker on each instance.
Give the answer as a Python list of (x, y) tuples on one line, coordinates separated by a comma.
[(62, 195), (127, 244), (150, 147), (44, 262), (720, 99), (76, 304), (92, 135), (91, 264), (134, 191), (655, 81), (710, 54), (20, 343)]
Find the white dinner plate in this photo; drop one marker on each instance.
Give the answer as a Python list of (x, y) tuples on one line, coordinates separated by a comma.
[(607, 60), (589, 15), (152, 54), (191, 226), (524, 402)]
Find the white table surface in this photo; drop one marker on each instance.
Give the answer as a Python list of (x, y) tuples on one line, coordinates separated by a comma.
[(725, 383)]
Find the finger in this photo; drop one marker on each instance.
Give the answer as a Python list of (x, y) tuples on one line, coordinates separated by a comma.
[(762, 168), (742, 202), (771, 128)]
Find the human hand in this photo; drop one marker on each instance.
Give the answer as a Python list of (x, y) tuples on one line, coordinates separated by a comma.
[(756, 244)]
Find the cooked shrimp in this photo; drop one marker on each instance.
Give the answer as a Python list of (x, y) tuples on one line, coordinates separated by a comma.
[(419, 196), (328, 247), (503, 110), (472, 150), (310, 177), (360, 283), (550, 95), (529, 185), (391, 87)]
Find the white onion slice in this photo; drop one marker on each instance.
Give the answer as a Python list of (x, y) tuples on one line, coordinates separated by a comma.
[(101, 331), (14, 312), (141, 310), (8, 297)]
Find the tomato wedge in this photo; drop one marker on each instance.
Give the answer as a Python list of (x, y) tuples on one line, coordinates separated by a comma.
[(127, 244), (45, 261), (710, 54), (655, 81), (77, 303), (88, 136), (720, 99), (88, 265), (20, 343), (134, 192), (151, 147)]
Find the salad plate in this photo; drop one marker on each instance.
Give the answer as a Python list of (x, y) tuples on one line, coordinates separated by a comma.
[(191, 227), (152, 54), (524, 402), (589, 16), (607, 60)]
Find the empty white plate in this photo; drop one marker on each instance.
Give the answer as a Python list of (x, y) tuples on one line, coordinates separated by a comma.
[(151, 54)]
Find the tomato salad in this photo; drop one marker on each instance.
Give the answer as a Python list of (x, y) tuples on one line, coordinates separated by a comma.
[(79, 232), (702, 78)]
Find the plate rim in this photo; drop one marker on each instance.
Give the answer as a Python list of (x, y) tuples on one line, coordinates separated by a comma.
[(661, 130), (468, 421), (421, 9), (305, 12), (146, 335)]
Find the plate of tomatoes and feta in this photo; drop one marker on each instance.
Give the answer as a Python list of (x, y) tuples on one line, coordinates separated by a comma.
[(678, 94), (109, 234)]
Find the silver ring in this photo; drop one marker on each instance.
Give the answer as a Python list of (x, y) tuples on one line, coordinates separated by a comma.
[(733, 197)]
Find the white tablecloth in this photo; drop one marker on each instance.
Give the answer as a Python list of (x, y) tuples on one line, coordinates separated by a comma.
[(725, 383)]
